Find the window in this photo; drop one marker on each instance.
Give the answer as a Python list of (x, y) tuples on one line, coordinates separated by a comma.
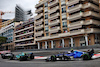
[(46, 28), (46, 10), (46, 22), (46, 4), (46, 16), (47, 34), (64, 10), (64, 24)]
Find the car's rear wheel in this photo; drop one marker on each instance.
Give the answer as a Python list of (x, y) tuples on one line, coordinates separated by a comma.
[(86, 57), (20, 58), (32, 56)]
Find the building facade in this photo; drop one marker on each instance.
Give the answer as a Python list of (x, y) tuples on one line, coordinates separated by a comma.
[(8, 22), (24, 35), (21, 14), (67, 23), (8, 32)]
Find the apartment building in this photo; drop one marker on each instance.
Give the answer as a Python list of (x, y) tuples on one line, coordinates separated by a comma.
[(8, 22), (7, 31), (24, 35), (67, 23)]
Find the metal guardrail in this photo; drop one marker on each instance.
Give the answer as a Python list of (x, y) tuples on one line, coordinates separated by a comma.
[(66, 48)]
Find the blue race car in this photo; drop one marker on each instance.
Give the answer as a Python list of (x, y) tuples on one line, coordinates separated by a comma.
[(70, 55)]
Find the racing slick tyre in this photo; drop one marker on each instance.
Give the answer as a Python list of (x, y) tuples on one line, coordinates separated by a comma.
[(86, 57), (32, 56), (53, 58), (12, 57), (20, 58), (23, 58), (3, 57)]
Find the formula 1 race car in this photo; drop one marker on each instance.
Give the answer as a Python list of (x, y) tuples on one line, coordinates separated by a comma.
[(22, 56), (71, 55), (6, 55)]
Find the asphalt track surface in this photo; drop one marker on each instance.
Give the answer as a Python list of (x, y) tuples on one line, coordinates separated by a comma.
[(42, 63)]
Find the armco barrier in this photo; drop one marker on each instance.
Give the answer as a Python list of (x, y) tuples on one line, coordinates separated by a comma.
[(66, 48)]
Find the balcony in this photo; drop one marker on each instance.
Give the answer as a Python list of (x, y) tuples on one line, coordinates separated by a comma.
[(53, 23), (75, 16), (38, 16), (92, 30), (23, 39), (96, 1), (75, 8), (39, 22), (39, 10), (91, 13), (87, 5), (72, 2), (53, 3), (76, 32), (53, 9), (54, 30), (24, 29), (54, 15), (39, 27), (24, 34), (39, 33), (41, 3), (91, 21), (17, 45), (75, 25)]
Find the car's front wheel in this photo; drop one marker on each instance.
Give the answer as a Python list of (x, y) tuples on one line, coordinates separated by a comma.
[(53, 58)]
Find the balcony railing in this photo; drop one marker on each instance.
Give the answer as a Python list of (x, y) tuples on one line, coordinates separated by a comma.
[(74, 8), (39, 21), (55, 29), (39, 33), (53, 9), (91, 21), (92, 30), (76, 32), (38, 16), (24, 34), (41, 3), (23, 39), (39, 27), (23, 29), (38, 10), (72, 2), (54, 15), (87, 5), (91, 13), (75, 25), (54, 22), (75, 16), (53, 3)]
